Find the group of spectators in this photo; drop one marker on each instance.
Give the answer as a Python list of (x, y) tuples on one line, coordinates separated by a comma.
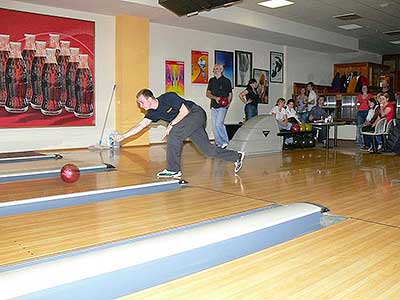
[(307, 107)]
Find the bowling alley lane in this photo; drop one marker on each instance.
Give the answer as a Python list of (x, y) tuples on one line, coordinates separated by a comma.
[(51, 232)]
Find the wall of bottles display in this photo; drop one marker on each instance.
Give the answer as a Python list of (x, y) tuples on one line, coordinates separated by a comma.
[(48, 76)]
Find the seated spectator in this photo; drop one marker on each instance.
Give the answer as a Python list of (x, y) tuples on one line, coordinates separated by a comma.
[(279, 112), (372, 115), (318, 114), (387, 111), (291, 112)]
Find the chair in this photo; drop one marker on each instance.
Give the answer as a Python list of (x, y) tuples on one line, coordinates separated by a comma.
[(379, 131), (388, 130)]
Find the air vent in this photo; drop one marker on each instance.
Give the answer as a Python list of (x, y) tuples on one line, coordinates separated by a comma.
[(392, 32), (347, 17)]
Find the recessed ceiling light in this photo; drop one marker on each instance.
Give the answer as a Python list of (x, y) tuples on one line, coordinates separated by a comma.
[(275, 3), (350, 26), (395, 42)]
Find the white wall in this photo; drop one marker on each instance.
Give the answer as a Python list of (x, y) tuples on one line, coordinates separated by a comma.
[(71, 137), (167, 42)]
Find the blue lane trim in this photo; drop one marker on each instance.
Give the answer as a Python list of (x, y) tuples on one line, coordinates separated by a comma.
[(84, 199), (133, 279), (53, 173), (136, 239), (30, 158)]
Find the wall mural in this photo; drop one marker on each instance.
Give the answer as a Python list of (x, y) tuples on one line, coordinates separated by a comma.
[(46, 70)]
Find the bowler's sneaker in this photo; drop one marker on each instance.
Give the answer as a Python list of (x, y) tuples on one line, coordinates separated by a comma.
[(239, 162), (168, 174)]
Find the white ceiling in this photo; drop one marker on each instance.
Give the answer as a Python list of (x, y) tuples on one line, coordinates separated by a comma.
[(378, 16), (249, 20)]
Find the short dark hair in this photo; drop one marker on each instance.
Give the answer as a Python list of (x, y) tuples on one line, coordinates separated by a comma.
[(311, 83), (145, 93), (290, 101)]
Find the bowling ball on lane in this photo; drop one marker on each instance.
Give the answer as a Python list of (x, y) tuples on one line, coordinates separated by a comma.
[(70, 173)]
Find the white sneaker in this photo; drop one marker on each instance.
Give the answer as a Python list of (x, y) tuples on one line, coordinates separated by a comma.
[(223, 146), (169, 174), (380, 148), (239, 162)]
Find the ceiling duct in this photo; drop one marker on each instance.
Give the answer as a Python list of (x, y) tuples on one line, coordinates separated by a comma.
[(185, 7)]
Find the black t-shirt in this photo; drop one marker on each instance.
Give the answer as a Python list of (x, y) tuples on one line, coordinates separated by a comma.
[(253, 96), (220, 87), (168, 107)]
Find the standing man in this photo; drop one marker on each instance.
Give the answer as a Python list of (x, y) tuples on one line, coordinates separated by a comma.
[(219, 86), (186, 120)]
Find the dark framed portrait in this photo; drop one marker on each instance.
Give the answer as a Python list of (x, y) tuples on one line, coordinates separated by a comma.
[(225, 58), (262, 77), (243, 67), (276, 66)]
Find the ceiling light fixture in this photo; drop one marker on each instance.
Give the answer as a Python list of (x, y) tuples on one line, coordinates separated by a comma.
[(350, 26), (275, 3), (395, 42)]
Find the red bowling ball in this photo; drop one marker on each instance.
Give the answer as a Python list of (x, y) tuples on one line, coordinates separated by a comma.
[(70, 173), (295, 128), (223, 101)]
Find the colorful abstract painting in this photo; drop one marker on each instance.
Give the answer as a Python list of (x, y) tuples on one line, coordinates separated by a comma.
[(174, 76), (225, 58), (36, 51), (199, 67), (262, 77)]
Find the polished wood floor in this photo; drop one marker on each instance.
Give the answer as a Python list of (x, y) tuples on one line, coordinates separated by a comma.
[(357, 259)]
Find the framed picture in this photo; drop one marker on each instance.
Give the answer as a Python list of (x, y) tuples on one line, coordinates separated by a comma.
[(262, 77), (225, 58), (276, 66), (30, 104), (243, 67), (174, 76), (199, 67)]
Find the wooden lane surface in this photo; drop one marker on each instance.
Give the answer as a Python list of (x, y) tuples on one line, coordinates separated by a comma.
[(81, 158), (24, 189), (40, 234), (352, 260), (357, 185)]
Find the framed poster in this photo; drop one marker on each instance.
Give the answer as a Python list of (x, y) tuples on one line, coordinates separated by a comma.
[(276, 66), (38, 38), (225, 58), (174, 76), (199, 67), (243, 67), (262, 77)]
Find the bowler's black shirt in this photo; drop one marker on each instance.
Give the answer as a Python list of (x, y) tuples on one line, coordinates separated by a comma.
[(168, 107)]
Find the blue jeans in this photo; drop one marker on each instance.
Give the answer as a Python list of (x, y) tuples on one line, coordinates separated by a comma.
[(361, 116), (250, 110), (287, 127), (303, 116), (218, 118)]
